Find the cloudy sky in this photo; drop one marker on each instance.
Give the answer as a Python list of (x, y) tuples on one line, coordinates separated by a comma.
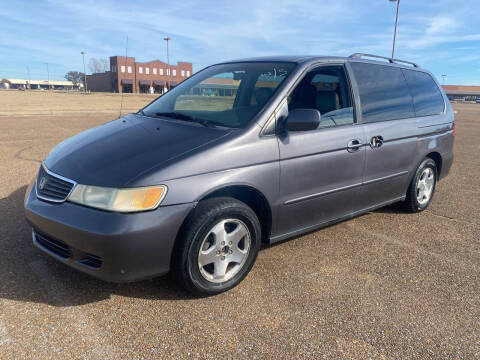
[(443, 36)]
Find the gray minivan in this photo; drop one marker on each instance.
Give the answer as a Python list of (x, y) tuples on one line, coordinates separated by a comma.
[(242, 153)]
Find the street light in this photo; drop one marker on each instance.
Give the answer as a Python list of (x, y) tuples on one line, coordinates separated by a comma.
[(84, 73), (396, 22), (443, 79), (48, 77), (167, 39)]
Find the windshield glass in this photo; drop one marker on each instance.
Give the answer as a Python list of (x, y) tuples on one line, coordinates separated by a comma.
[(223, 95)]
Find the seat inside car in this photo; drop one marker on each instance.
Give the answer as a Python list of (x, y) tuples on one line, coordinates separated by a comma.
[(327, 101), (262, 94)]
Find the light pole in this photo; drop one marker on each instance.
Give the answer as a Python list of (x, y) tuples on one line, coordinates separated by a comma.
[(395, 31), (443, 79), (48, 77), (167, 39), (84, 74), (28, 74)]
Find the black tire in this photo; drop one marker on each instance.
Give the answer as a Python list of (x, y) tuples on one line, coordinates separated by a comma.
[(208, 213), (411, 202)]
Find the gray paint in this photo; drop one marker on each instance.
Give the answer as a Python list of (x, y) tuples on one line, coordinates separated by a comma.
[(309, 179)]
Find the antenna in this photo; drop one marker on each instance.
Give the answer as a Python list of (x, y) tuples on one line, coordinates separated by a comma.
[(125, 66)]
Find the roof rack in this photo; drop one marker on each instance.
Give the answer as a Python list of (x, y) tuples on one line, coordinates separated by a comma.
[(390, 60)]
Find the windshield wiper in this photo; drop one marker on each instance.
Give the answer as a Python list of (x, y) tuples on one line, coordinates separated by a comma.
[(185, 117)]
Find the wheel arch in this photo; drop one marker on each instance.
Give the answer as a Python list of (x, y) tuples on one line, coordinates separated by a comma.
[(437, 158), (248, 194), (251, 196)]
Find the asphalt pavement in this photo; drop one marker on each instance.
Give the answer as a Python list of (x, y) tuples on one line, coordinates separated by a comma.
[(386, 285)]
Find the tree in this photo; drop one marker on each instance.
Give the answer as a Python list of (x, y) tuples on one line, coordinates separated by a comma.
[(98, 65), (75, 77)]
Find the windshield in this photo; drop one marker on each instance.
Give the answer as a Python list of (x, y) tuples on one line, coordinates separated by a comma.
[(222, 95)]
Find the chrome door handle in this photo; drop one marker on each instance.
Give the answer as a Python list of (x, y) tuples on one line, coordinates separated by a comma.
[(376, 141), (354, 145)]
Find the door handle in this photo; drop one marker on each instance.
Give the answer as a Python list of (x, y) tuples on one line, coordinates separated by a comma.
[(354, 145), (376, 141)]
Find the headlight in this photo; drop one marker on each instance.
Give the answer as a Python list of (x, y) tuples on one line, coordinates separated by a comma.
[(121, 200)]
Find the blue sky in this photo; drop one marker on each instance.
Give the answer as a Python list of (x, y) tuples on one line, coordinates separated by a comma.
[(443, 36)]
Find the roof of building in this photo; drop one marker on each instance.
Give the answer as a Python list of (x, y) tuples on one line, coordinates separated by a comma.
[(464, 90)]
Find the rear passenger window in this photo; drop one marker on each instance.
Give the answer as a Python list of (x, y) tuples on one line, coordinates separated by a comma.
[(384, 94), (427, 98), (326, 90)]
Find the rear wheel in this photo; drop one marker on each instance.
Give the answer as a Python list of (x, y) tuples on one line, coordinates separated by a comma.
[(217, 246), (422, 187)]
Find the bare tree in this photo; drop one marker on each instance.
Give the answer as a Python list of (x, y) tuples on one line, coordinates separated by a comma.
[(97, 65), (75, 77)]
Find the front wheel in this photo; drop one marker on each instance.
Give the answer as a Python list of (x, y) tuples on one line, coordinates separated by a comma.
[(217, 247), (421, 189)]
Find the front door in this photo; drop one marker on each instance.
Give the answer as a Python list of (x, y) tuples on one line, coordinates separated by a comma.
[(320, 170)]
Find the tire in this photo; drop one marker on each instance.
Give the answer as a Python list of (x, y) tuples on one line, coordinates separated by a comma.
[(414, 202), (200, 242)]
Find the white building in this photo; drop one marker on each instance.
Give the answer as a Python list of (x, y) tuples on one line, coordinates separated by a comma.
[(38, 84)]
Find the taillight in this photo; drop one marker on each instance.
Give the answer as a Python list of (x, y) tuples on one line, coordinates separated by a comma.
[(453, 129)]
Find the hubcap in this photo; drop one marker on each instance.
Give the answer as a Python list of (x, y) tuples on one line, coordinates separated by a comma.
[(224, 250), (425, 186)]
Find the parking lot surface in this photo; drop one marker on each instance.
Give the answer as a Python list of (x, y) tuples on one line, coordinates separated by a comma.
[(387, 285)]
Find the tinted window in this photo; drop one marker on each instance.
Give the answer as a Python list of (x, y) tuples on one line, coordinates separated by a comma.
[(326, 90), (427, 98), (384, 94)]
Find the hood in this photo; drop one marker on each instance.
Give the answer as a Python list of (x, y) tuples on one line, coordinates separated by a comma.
[(116, 152)]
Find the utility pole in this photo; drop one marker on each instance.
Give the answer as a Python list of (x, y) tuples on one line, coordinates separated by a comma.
[(167, 39), (395, 31), (84, 73), (48, 76), (443, 79)]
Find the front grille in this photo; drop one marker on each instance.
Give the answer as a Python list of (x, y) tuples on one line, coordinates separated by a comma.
[(92, 261), (51, 187), (59, 248)]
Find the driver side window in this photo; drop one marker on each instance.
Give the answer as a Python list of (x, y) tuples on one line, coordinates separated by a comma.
[(325, 89)]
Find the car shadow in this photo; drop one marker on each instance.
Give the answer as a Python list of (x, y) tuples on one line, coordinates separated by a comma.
[(27, 274), (395, 208)]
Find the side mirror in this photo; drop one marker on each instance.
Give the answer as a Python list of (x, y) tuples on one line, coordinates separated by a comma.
[(303, 119)]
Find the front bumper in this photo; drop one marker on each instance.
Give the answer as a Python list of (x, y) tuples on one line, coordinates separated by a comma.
[(110, 246)]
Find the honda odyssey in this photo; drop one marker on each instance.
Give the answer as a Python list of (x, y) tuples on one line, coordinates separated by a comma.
[(241, 153)]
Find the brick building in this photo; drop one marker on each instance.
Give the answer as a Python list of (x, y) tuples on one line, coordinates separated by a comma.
[(127, 75)]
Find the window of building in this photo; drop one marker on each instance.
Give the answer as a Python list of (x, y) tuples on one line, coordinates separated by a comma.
[(154, 71), (168, 71), (324, 89), (140, 70), (384, 94), (174, 72), (188, 73), (114, 68), (129, 69), (147, 71), (427, 98), (122, 68), (161, 71), (183, 73)]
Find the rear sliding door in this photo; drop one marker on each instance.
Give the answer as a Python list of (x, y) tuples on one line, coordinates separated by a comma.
[(390, 127)]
